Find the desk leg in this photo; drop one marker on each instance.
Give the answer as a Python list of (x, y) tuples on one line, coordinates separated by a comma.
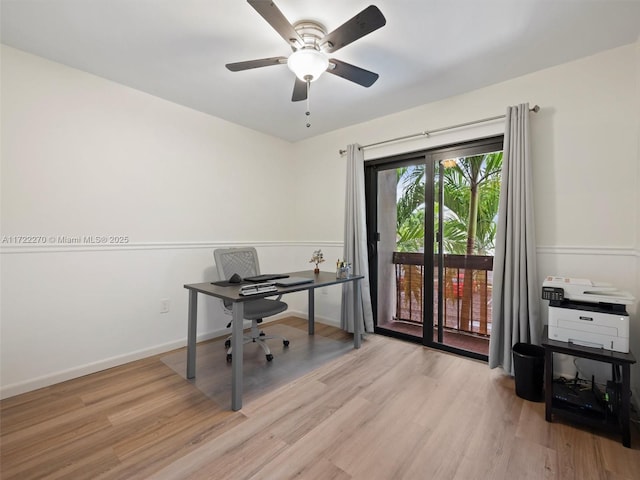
[(357, 335), (191, 334), (237, 346), (626, 405), (548, 383), (311, 306)]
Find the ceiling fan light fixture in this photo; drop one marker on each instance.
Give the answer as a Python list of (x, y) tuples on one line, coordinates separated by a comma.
[(308, 64)]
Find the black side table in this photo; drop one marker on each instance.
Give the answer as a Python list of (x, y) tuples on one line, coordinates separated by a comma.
[(618, 423)]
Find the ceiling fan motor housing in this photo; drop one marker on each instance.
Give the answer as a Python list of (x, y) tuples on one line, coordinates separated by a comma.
[(311, 34)]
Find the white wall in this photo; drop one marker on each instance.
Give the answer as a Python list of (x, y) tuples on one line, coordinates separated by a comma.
[(84, 156), (586, 163)]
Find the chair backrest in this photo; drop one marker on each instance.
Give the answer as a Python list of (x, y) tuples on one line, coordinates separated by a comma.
[(243, 261)]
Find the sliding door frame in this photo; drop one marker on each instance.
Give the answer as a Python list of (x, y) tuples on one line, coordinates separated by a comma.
[(431, 158), (373, 236)]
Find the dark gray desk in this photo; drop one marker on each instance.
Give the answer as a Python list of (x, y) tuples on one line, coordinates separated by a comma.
[(322, 279)]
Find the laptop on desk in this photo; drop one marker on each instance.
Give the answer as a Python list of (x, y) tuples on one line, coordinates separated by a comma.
[(291, 281), (266, 277)]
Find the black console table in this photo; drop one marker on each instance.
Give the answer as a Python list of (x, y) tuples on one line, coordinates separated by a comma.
[(618, 423)]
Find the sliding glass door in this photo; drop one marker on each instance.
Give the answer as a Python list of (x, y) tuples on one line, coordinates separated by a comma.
[(398, 207), (431, 225)]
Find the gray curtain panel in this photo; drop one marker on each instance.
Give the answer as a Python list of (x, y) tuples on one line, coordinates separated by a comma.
[(355, 244), (515, 305)]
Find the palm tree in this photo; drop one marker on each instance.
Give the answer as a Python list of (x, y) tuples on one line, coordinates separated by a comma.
[(471, 193), (410, 209), (473, 182)]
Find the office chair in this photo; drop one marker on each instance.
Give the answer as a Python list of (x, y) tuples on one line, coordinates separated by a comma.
[(244, 262)]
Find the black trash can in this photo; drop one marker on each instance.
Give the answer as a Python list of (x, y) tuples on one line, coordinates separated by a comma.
[(528, 365)]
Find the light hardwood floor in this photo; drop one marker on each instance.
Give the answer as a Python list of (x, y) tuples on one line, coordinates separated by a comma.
[(391, 410)]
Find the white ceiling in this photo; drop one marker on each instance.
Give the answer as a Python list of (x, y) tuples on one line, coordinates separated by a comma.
[(428, 50)]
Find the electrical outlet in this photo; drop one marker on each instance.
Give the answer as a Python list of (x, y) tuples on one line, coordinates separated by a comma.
[(164, 305)]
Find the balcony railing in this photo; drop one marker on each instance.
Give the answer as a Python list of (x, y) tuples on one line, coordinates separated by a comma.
[(466, 305)]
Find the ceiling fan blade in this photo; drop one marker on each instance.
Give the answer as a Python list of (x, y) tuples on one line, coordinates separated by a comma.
[(367, 21), (299, 91), (274, 17), (352, 73), (262, 62)]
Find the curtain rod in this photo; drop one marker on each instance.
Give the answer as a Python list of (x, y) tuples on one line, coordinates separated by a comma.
[(426, 133)]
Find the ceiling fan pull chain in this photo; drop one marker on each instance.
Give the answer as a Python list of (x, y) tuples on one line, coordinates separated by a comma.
[(308, 112)]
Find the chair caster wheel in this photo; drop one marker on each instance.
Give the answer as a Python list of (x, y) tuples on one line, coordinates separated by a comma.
[(262, 334), (285, 343), (228, 358), (227, 343), (269, 357)]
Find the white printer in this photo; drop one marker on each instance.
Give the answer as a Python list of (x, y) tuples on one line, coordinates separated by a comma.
[(586, 313)]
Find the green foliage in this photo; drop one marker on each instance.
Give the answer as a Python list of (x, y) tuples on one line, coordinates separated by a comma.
[(410, 209), (479, 174)]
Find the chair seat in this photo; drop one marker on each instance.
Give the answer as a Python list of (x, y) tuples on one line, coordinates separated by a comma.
[(263, 307)]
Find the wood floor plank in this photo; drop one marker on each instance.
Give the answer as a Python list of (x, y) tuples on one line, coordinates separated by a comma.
[(577, 453), (450, 437), (34, 412), (530, 460), (227, 460), (227, 444), (342, 424), (382, 457), (85, 467), (65, 420), (490, 447), (159, 454), (18, 454), (620, 463)]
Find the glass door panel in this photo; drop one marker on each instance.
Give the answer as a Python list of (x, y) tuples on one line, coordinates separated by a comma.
[(467, 201), (432, 222), (400, 247)]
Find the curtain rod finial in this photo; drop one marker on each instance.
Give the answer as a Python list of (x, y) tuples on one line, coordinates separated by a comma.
[(536, 108)]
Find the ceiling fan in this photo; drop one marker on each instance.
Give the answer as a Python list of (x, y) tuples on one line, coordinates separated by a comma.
[(311, 45)]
